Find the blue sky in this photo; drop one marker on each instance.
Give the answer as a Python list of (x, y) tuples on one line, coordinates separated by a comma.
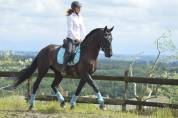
[(30, 25)]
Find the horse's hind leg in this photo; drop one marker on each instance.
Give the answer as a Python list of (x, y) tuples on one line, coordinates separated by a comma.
[(35, 87), (54, 86)]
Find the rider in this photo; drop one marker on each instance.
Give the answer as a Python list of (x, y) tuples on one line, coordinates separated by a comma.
[(75, 30)]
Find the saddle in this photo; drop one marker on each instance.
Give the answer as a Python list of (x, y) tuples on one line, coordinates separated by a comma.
[(65, 41), (75, 55), (74, 51)]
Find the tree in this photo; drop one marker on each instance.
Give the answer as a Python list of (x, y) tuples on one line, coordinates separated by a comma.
[(163, 44)]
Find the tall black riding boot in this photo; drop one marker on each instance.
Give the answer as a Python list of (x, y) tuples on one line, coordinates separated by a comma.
[(66, 58)]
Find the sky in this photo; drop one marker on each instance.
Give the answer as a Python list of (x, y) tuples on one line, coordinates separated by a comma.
[(30, 25)]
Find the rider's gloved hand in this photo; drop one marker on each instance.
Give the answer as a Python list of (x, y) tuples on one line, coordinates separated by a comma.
[(77, 40)]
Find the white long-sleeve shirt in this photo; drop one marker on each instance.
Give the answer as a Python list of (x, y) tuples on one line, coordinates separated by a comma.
[(75, 27)]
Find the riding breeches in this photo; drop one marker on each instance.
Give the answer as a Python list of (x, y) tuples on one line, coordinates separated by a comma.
[(70, 46)]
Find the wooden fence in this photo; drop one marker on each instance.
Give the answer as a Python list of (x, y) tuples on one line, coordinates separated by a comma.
[(126, 79)]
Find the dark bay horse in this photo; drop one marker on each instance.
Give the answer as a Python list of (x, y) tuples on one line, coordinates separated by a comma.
[(97, 39)]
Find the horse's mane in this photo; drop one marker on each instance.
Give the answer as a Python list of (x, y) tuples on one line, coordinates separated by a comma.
[(87, 38)]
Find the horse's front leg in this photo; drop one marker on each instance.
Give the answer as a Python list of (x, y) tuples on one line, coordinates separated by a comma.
[(74, 97), (92, 83), (87, 78)]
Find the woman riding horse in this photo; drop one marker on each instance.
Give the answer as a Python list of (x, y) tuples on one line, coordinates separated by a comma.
[(75, 30), (100, 38)]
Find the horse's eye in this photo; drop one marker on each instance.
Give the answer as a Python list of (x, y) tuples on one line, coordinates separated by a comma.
[(105, 36)]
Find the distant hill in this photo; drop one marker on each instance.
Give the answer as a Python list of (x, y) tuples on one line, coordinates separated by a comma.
[(141, 59), (21, 53)]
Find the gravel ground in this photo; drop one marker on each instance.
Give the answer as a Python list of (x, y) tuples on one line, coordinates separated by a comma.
[(33, 114)]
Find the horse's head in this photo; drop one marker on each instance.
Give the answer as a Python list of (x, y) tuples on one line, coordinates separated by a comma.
[(106, 42)]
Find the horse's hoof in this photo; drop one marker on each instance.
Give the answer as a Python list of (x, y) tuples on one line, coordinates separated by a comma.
[(102, 107), (72, 107), (62, 104), (30, 107)]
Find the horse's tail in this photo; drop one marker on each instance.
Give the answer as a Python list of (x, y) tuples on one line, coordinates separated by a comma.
[(26, 73)]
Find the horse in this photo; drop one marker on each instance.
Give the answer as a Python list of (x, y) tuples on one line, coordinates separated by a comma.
[(99, 38)]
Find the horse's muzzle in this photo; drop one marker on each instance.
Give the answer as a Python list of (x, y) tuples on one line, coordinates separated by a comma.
[(108, 55)]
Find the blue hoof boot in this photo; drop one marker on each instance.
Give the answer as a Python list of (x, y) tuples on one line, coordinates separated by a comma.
[(102, 107), (30, 107)]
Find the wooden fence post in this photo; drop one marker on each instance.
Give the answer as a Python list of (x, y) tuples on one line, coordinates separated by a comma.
[(110, 101), (125, 91)]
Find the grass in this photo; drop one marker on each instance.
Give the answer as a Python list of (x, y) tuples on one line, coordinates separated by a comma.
[(16, 106)]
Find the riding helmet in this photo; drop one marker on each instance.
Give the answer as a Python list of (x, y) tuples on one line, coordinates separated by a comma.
[(75, 4)]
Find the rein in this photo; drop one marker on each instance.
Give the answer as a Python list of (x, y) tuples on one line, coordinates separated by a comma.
[(82, 45), (100, 42)]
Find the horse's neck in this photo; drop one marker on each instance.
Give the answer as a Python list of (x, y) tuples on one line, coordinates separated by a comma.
[(92, 49)]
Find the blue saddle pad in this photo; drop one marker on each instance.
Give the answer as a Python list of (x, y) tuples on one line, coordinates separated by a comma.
[(60, 56)]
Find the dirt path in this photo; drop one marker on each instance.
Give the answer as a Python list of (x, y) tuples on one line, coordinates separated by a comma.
[(33, 114)]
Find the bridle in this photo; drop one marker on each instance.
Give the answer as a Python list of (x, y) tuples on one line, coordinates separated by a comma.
[(106, 34)]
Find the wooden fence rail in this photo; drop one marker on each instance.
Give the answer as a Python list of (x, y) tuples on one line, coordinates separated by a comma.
[(110, 101), (108, 78)]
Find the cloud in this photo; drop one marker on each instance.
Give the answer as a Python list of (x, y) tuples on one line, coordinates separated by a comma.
[(37, 17), (137, 22)]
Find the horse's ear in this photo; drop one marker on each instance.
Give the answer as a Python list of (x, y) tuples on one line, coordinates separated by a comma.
[(111, 29), (105, 28)]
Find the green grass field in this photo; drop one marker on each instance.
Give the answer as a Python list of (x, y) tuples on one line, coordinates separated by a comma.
[(16, 107)]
